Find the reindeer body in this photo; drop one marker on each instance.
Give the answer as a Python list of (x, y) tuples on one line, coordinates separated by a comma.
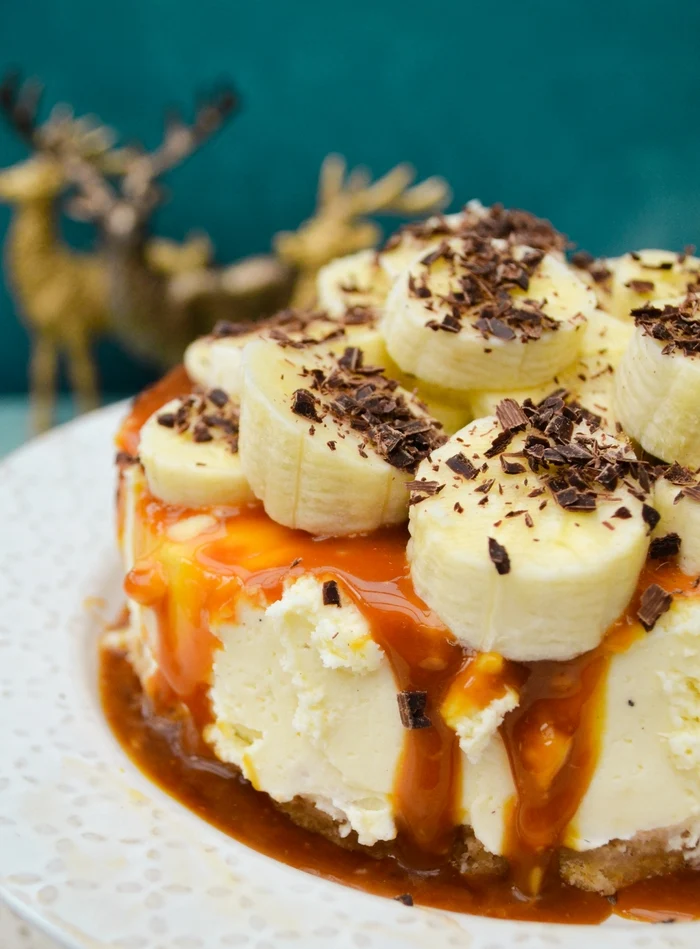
[(157, 314), (62, 294), (49, 279)]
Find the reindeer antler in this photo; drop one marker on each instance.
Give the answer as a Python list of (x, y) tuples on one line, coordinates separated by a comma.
[(139, 190), (19, 101), (95, 198), (180, 140), (356, 196)]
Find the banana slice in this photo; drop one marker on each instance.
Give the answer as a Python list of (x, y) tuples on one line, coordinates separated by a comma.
[(657, 384), (480, 314), (353, 281), (189, 452), (589, 381), (410, 241), (215, 361), (519, 227), (624, 283), (529, 538), (451, 408), (677, 499), (326, 445)]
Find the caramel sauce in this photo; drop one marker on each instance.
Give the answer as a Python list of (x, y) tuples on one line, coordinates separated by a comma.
[(552, 738)]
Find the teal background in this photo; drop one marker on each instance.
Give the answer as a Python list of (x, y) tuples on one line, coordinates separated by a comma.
[(587, 113)]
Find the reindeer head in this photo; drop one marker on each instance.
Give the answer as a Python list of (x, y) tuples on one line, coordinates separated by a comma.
[(41, 177), (341, 222), (122, 211)]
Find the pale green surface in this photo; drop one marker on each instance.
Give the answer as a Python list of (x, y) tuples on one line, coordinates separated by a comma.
[(14, 419)]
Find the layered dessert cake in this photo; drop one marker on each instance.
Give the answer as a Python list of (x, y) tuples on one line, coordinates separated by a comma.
[(411, 577)]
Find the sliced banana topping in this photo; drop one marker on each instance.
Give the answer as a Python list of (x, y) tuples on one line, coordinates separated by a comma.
[(635, 279), (216, 360), (589, 381), (353, 281), (189, 452), (677, 499), (328, 444), (518, 227), (528, 532), (482, 314), (657, 384)]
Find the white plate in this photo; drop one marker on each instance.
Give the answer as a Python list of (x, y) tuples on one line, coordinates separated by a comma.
[(90, 852)]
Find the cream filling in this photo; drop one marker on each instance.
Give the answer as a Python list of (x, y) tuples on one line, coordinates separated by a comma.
[(305, 705)]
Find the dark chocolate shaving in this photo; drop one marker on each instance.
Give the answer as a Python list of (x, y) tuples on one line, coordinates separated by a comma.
[(412, 705), (676, 327), (509, 224), (651, 516), (462, 466), (331, 593), (351, 359), (204, 418), (421, 490), (201, 433), (511, 467), (218, 397), (640, 286), (405, 898), (573, 500), (499, 557), (623, 513), (363, 399), (654, 603), (666, 546), (304, 403), (511, 416), (483, 275), (499, 444), (677, 474)]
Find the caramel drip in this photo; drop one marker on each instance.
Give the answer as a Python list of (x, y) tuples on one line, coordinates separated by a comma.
[(554, 735), (192, 586)]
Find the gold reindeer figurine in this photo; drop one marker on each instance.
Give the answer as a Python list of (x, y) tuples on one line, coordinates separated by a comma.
[(341, 225), (63, 295)]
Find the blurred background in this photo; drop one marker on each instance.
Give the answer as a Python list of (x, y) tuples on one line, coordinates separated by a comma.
[(587, 114)]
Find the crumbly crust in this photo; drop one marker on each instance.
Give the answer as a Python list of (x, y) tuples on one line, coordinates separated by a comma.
[(620, 863)]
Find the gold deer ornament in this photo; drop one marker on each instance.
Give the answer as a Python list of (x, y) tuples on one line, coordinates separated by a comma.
[(62, 294)]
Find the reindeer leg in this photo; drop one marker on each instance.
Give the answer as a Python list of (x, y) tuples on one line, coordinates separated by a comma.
[(42, 381), (82, 375)]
